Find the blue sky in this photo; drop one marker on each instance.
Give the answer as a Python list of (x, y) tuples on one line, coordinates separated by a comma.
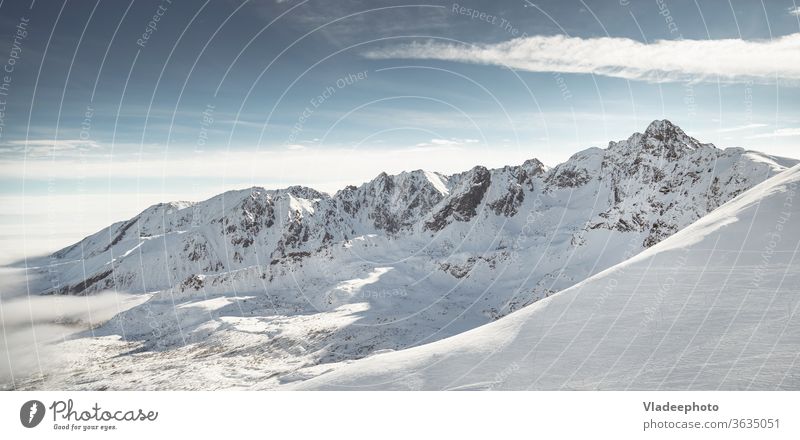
[(228, 94)]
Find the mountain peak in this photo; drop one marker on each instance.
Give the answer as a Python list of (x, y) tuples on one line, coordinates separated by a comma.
[(662, 138), (665, 131), (304, 192), (663, 135), (662, 126)]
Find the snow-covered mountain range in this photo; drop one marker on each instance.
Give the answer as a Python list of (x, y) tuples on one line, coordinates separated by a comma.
[(714, 306), (273, 282)]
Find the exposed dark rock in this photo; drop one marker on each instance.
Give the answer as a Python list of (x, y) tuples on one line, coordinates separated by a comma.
[(569, 178), (192, 282), (462, 207)]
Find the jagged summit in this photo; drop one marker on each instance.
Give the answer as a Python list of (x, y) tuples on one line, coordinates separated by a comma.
[(662, 126), (661, 138), (305, 192)]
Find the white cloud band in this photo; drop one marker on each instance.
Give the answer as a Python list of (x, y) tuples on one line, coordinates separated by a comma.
[(664, 60)]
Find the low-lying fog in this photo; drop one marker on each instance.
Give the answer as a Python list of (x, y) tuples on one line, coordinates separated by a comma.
[(33, 325)]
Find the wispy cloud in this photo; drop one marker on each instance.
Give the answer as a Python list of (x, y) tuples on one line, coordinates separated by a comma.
[(46, 147), (794, 10), (781, 132), (447, 142), (741, 127), (730, 60)]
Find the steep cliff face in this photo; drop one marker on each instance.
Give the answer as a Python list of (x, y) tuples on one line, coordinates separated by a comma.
[(465, 200), (393, 204)]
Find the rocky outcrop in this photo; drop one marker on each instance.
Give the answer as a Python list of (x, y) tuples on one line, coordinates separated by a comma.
[(463, 204)]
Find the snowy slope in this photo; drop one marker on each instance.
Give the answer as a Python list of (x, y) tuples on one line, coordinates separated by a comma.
[(268, 282), (715, 306)]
